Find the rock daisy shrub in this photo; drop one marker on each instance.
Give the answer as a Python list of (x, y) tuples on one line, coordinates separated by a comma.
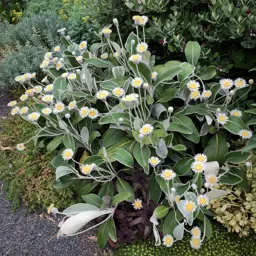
[(148, 144)]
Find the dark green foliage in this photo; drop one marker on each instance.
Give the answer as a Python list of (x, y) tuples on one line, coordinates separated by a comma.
[(221, 244), (27, 175)]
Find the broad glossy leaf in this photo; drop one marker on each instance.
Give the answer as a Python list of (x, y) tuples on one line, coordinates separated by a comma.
[(116, 199), (112, 136), (99, 63), (142, 153), (123, 186), (69, 142), (161, 211), (93, 200), (209, 73), (183, 166), (237, 156), (59, 88), (192, 52), (54, 143), (155, 191), (123, 157), (235, 125)]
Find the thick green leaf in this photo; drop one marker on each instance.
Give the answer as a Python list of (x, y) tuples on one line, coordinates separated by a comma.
[(208, 73), (123, 157), (235, 125), (187, 70), (112, 230), (85, 135), (59, 88), (123, 186), (116, 199), (169, 74), (114, 118), (112, 136), (142, 154), (99, 63), (102, 234), (93, 199), (109, 85), (161, 211), (231, 178), (85, 187), (54, 143), (62, 171), (167, 95), (179, 147), (183, 166), (107, 189), (251, 111), (216, 149), (170, 222), (197, 109), (63, 182), (69, 142), (155, 191), (248, 147), (177, 126), (192, 52), (128, 45), (163, 184), (237, 156)]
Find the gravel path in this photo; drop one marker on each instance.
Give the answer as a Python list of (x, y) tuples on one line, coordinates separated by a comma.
[(32, 235)]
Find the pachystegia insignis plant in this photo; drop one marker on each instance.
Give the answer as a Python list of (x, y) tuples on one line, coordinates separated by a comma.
[(172, 123)]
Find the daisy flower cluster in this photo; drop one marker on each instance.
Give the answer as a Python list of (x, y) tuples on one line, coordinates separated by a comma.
[(194, 88), (226, 84)]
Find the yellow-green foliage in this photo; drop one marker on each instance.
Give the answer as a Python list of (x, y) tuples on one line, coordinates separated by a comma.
[(221, 244), (237, 211), (28, 176)]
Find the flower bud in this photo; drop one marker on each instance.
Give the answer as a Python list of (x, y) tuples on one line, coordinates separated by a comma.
[(207, 185), (194, 186), (251, 81), (93, 165), (115, 21), (145, 85), (120, 119), (67, 115), (141, 136), (73, 53), (132, 42), (218, 110), (232, 92), (202, 190), (61, 59), (173, 190), (78, 71), (170, 110), (248, 164), (68, 37)]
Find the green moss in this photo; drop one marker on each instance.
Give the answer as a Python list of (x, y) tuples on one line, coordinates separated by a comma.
[(27, 175), (221, 244)]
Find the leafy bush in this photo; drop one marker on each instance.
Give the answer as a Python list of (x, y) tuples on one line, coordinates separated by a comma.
[(11, 10), (221, 244), (237, 211), (146, 143), (28, 178), (29, 39)]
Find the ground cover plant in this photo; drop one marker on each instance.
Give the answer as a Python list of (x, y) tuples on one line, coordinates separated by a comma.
[(145, 145)]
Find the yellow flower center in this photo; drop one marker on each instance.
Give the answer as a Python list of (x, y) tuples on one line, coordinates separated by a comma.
[(33, 116), (167, 174), (137, 82), (83, 45), (137, 204), (195, 232), (118, 92), (200, 158), (195, 94), (193, 86), (141, 48), (59, 107), (189, 207), (86, 169), (202, 201), (68, 154), (227, 84), (196, 242), (236, 113), (198, 167), (93, 113), (222, 118), (168, 240), (154, 161), (146, 129), (207, 94), (84, 112), (245, 133), (212, 180), (239, 83), (58, 65), (102, 95)]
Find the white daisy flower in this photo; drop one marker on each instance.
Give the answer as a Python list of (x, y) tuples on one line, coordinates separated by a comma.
[(197, 167), (93, 113), (15, 111), (56, 48), (23, 97), (236, 112), (45, 80), (142, 47), (48, 55), (154, 161), (64, 75), (19, 79), (61, 31), (83, 45), (211, 180), (193, 85), (226, 83), (168, 174), (33, 116), (137, 82), (116, 55), (189, 206), (130, 99), (48, 88), (106, 32), (154, 76), (168, 240), (202, 200), (240, 83), (196, 232), (86, 169), (44, 64), (47, 98), (59, 65), (67, 154), (245, 134), (83, 112), (72, 105), (71, 76), (12, 103), (79, 59), (20, 147), (206, 94), (195, 242), (102, 94), (104, 56), (46, 111), (38, 89), (222, 118), (136, 19), (24, 110), (136, 59), (194, 95), (26, 76), (146, 129), (200, 158), (143, 20), (137, 204), (59, 107), (118, 92), (33, 75), (30, 92)]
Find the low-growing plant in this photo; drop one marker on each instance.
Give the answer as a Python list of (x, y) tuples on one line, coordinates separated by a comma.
[(28, 177), (147, 143)]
